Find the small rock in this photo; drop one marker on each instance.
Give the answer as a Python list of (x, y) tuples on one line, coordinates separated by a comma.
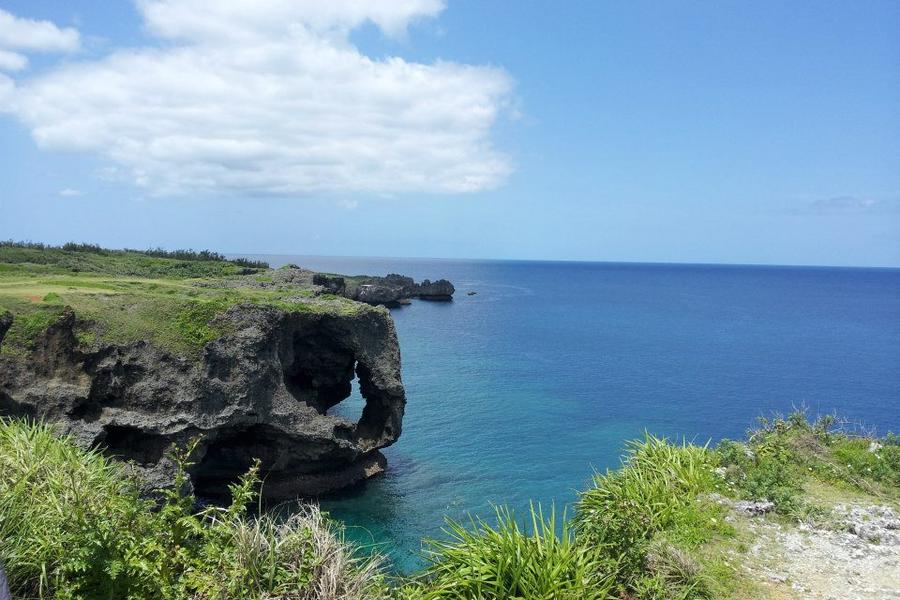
[(754, 508)]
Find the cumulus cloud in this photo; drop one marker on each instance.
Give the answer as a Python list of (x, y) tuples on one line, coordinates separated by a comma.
[(40, 36), (12, 61), (270, 97), (7, 86), (251, 19)]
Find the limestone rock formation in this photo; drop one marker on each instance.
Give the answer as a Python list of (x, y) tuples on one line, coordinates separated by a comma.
[(331, 284), (262, 391), (379, 293), (392, 289), (435, 290)]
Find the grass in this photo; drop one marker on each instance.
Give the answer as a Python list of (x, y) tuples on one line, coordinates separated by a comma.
[(784, 457), (650, 530), (507, 560), (72, 525), (653, 507), (128, 296)]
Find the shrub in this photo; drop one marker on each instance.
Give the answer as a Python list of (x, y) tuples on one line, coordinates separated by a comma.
[(62, 511), (869, 459), (656, 491), (767, 471), (509, 561), (672, 574), (783, 452)]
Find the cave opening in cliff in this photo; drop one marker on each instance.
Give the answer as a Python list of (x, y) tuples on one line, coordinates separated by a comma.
[(132, 443), (232, 453), (351, 407), (319, 372), (326, 375)]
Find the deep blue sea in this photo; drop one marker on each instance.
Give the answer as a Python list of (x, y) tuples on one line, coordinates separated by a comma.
[(519, 392)]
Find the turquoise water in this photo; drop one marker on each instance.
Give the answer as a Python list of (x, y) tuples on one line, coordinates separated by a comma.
[(519, 392)]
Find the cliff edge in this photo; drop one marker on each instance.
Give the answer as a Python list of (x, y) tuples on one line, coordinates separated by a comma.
[(134, 352), (261, 391)]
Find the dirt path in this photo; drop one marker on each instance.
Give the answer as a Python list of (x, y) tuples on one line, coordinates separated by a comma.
[(855, 556)]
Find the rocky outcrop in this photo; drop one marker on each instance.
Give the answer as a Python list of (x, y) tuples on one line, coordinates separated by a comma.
[(379, 293), (435, 290), (392, 289), (261, 392), (331, 284)]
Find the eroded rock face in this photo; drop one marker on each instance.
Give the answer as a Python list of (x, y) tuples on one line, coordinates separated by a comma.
[(391, 289), (331, 284), (435, 290), (262, 391)]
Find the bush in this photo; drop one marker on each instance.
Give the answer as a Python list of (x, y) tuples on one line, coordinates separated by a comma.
[(656, 491), (767, 471), (509, 561), (783, 452)]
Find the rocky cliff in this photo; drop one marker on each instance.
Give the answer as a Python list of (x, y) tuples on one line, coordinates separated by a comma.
[(263, 390), (389, 290)]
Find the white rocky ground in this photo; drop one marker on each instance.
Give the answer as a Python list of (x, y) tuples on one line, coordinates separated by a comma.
[(855, 556)]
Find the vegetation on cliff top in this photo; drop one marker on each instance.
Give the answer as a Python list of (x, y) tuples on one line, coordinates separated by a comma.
[(167, 298), (657, 528)]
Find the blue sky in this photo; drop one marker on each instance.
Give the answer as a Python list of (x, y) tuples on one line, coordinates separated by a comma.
[(732, 132)]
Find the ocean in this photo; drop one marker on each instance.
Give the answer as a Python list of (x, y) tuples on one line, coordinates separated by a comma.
[(520, 392)]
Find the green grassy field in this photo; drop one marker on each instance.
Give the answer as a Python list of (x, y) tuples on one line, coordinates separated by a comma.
[(126, 296)]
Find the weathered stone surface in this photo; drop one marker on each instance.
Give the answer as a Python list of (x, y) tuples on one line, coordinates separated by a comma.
[(392, 289), (378, 293), (754, 508), (262, 391), (331, 284), (435, 290)]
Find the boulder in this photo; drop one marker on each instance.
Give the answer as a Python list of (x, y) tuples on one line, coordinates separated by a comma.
[(435, 290), (378, 293), (331, 284)]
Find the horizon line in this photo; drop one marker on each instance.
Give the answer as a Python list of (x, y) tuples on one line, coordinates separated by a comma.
[(576, 260)]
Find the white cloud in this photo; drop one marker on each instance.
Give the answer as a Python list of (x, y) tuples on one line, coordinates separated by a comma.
[(7, 87), (70, 193), (41, 36), (12, 61), (249, 19), (270, 97)]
